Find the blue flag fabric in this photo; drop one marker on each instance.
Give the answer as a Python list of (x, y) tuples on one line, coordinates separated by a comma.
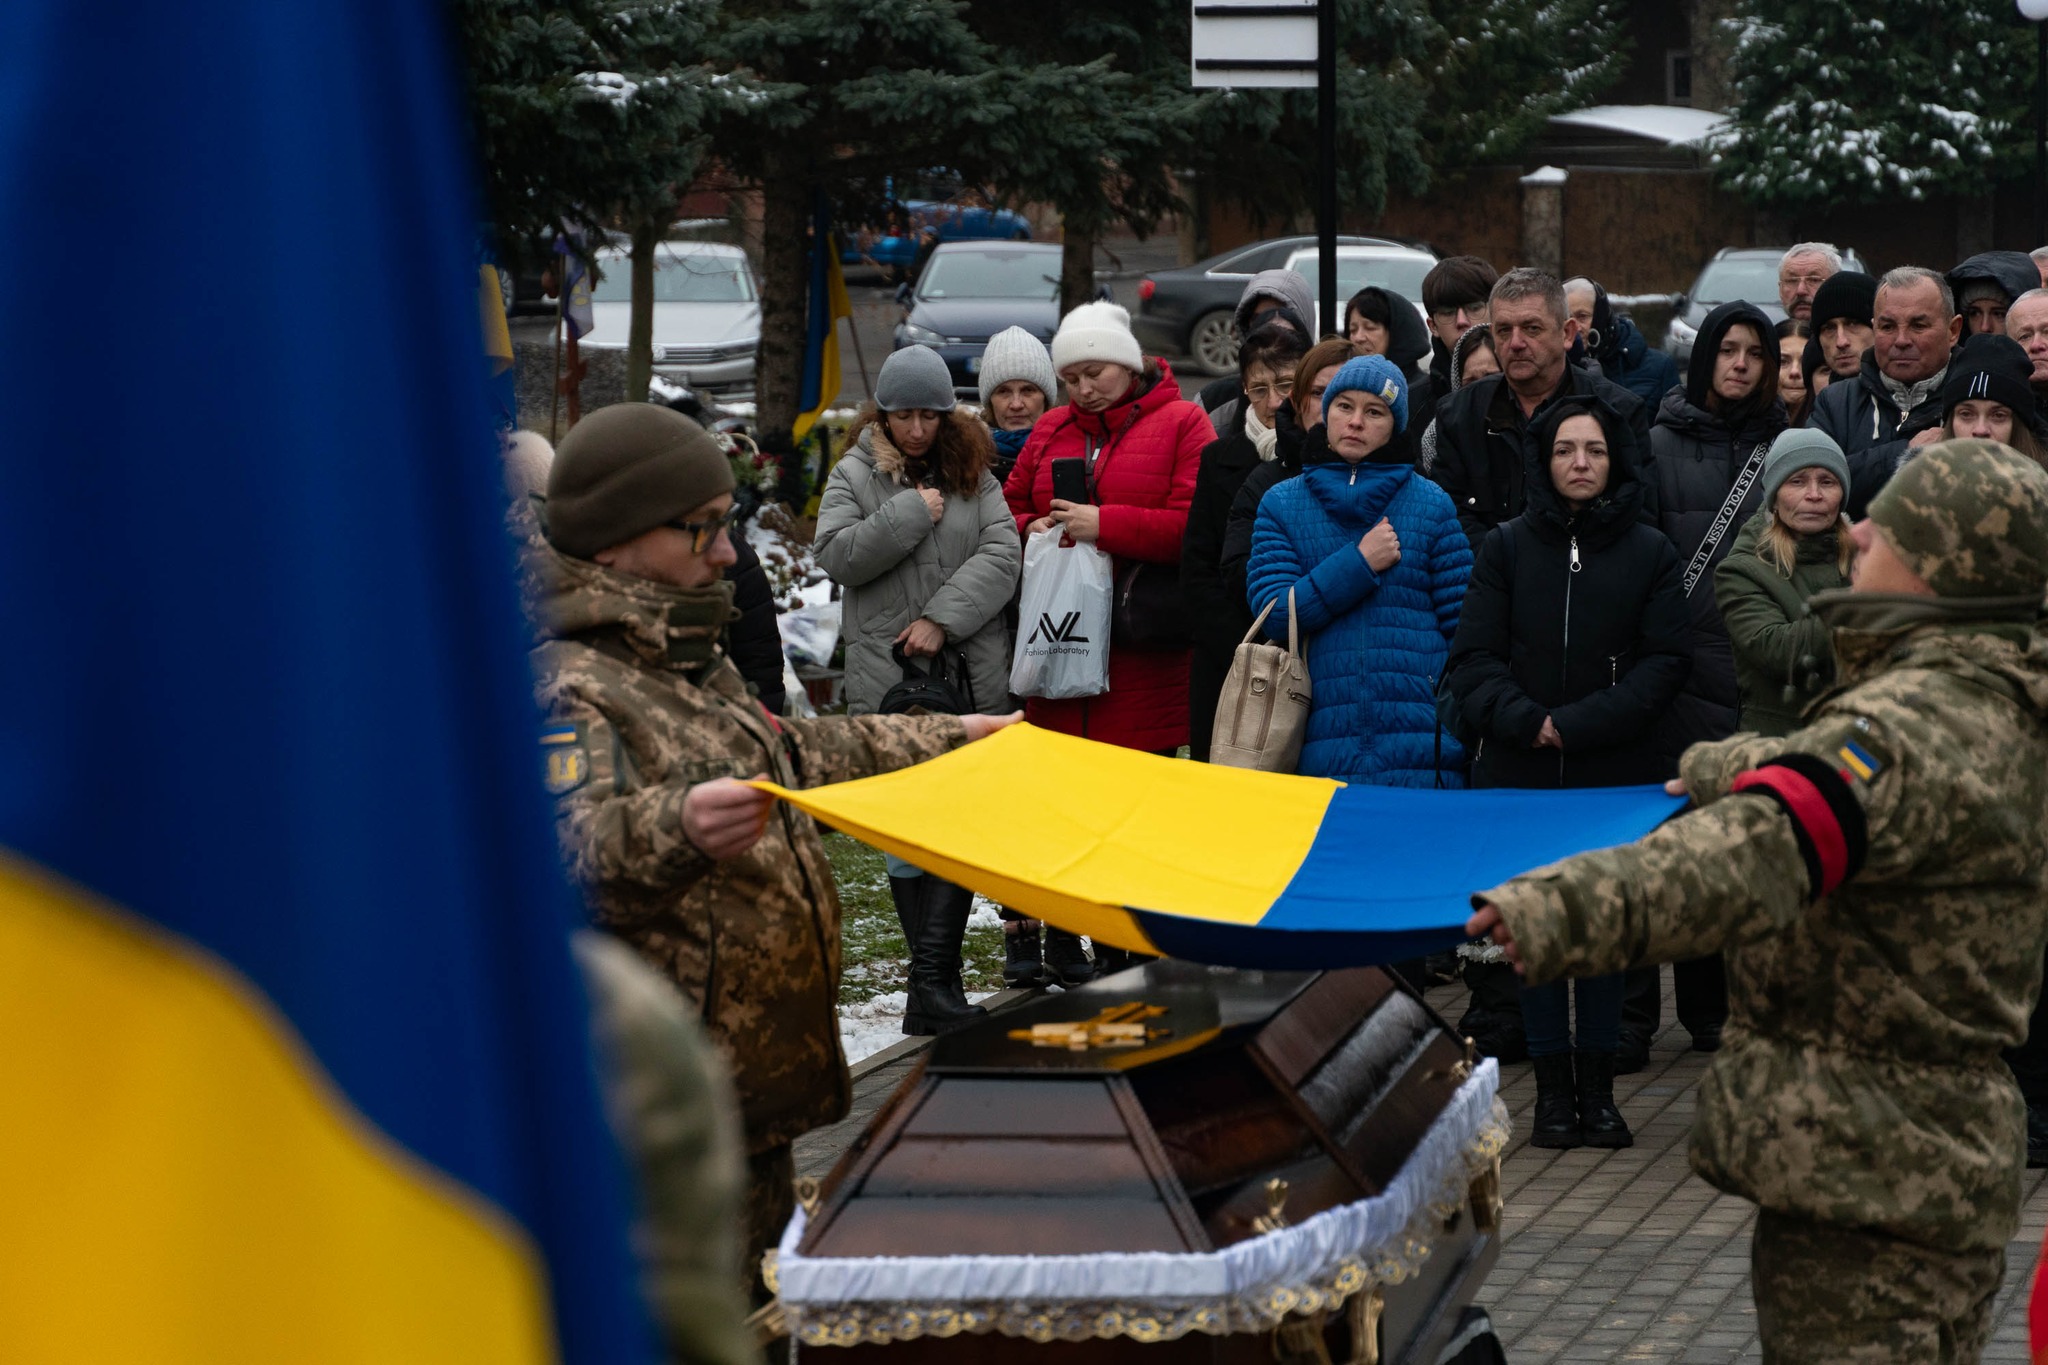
[(268, 720)]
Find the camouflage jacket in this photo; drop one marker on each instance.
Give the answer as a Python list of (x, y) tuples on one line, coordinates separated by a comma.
[(753, 940), (1859, 1082)]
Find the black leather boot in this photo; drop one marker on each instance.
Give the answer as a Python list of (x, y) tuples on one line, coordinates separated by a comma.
[(1557, 1104), (1023, 964), (1066, 961), (936, 1000), (1600, 1123)]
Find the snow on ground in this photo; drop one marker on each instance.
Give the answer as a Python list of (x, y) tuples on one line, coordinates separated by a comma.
[(876, 1023)]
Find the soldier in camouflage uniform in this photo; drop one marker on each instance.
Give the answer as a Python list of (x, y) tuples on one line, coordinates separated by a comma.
[(1876, 879), (650, 729)]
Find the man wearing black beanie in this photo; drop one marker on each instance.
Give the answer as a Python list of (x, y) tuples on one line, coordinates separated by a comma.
[(1841, 320)]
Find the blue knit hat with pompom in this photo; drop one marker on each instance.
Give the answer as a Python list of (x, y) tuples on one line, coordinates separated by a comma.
[(1376, 375)]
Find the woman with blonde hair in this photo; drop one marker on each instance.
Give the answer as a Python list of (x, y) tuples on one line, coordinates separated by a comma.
[(1796, 545)]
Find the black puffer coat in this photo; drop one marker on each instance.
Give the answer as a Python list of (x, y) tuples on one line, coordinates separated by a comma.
[(1577, 617), (1699, 457), (1216, 609)]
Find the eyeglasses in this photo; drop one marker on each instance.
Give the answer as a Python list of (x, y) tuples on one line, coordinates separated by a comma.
[(704, 534), (1279, 388)]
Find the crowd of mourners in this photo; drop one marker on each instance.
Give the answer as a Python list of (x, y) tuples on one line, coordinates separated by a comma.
[(1524, 549)]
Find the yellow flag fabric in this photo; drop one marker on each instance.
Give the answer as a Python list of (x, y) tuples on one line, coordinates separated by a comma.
[(1217, 864)]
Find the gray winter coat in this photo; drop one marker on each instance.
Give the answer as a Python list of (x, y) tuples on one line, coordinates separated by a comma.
[(878, 541)]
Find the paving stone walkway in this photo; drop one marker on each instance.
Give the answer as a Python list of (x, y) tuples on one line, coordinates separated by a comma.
[(1616, 1256)]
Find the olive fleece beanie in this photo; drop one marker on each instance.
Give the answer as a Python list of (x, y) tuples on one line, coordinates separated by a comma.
[(626, 469)]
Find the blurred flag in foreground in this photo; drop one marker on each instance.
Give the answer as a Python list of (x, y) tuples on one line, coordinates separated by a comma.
[(828, 304), (575, 286), (295, 1066)]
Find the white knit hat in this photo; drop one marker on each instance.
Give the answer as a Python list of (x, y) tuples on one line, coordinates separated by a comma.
[(1096, 331), (1014, 353)]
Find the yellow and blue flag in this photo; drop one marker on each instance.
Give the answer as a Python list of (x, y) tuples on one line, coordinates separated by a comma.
[(828, 303), (295, 1064), (1220, 865)]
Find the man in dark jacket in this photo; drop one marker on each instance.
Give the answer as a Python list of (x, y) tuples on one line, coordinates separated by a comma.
[(1614, 344), (1986, 285), (1841, 321), (1454, 295), (1895, 400), (1483, 429)]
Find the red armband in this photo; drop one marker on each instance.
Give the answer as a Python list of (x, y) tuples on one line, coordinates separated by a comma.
[(1827, 819)]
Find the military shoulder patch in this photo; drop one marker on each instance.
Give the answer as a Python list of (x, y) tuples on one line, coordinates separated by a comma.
[(1859, 761), (567, 759)]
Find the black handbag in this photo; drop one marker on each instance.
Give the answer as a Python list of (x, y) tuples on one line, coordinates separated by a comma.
[(1150, 611), (938, 687)]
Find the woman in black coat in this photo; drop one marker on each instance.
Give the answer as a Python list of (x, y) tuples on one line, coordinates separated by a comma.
[(1572, 644), (1265, 365)]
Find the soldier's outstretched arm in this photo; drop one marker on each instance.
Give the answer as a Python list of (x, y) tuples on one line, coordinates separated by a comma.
[(841, 748), (610, 827), (1782, 822)]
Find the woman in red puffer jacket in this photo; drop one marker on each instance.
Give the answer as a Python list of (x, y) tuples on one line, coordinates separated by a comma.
[(1143, 443)]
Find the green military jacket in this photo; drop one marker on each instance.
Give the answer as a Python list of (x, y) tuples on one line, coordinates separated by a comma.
[(641, 707), (1859, 1082), (1782, 656)]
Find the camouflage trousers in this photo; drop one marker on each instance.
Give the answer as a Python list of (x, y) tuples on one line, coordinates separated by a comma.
[(1829, 1295)]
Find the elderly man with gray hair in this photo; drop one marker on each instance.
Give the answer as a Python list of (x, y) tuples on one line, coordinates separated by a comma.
[(1802, 270), (1894, 402)]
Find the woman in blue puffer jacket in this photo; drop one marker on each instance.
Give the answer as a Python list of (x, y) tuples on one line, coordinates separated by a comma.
[(1378, 565)]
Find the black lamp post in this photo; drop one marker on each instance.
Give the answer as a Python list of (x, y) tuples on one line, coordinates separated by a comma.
[(2036, 11)]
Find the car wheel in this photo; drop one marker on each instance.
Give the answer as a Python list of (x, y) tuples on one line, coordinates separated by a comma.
[(1212, 342)]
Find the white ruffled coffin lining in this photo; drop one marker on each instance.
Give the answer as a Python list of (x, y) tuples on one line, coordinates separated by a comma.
[(1310, 1250)]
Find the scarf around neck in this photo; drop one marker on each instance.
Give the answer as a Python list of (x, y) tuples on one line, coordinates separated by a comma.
[(1265, 439)]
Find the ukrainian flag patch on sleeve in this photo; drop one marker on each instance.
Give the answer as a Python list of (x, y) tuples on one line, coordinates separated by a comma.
[(567, 758), (1859, 760)]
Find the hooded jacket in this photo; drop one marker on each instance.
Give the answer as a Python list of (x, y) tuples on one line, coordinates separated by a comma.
[(1220, 397), (1859, 1082), (1699, 457), (1627, 358), (1865, 421), (2014, 272), (1576, 617), (1483, 446), (1376, 642), (1783, 659), (1146, 450), (877, 540), (752, 940), (1244, 507)]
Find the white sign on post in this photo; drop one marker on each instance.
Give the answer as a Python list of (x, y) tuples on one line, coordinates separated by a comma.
[(1244, 43)]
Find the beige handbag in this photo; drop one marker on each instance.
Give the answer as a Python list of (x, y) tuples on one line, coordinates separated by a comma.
[(1263, 713)]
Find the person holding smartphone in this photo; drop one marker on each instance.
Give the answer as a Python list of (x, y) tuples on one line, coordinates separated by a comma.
[(1137, 445)]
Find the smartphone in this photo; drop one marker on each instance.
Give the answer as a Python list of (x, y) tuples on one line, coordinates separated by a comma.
[(1070, 479)]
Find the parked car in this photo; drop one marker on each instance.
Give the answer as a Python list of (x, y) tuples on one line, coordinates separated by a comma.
[(1187, 311), (894, 246), (1399, 268), (707, 315), (1745, 274), (969, 291)]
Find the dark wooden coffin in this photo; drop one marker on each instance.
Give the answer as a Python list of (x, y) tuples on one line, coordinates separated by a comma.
[(1174, 1108)]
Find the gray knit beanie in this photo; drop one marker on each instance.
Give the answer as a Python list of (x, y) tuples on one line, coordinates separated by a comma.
[(1014, 353), (914, 377), (1802, 448)]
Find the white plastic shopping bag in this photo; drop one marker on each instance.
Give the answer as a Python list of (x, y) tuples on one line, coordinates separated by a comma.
[(1062, 620)]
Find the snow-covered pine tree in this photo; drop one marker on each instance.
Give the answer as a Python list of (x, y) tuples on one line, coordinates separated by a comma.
[(1851, 103), (1503, 67)]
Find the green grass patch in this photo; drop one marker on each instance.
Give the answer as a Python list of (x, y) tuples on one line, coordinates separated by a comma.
[(877, 961)]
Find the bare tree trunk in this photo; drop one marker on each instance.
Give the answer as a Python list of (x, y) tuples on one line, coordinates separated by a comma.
[(1077, 265), (786, 198), (640, 324)]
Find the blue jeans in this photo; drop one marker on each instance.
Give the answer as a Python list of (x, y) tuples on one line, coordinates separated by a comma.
[(1546, 1016)]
